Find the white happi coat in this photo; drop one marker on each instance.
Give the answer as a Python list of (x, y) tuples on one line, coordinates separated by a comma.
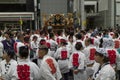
[(34, 46), (1, 51), (116, 43), (74, 38), (78, 55), (70, 46), (58, 38), (31, 37), (31, 69), (116, 58), (17, 45), (89, 52), (74, 43), (63, 62), (49, 69), (7, 70), (53, 46), (105, 73)]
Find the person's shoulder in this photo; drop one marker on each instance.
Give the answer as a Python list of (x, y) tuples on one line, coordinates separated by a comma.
[(3, 62), (46, 57), (108, 68), (14, 62), (3, 41)]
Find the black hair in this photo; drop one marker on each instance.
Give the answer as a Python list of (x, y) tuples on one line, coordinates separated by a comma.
[(70, 36), (42, 42), (59, 32), (116, 34), (19, 35), (26, 39), (78, 46), (90, 41), (42, 32), (44, 47), (50, 30), (10, 53), (82, 31), (71, 33), (101, 43), (78, 36), (63, 42), (34, 37), (9, 33), (105, 60), (24, 51), (51, 35)]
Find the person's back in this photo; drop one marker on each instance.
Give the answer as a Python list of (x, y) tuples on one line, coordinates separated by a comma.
[(7, 65), (49, 69), (103, 69), (26, 70)]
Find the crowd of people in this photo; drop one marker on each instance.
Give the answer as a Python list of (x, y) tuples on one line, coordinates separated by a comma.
[(59, 55)]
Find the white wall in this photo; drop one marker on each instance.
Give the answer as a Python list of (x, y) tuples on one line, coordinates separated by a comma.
[(53, 6), (103, 5), (117, 8), (117, 0)]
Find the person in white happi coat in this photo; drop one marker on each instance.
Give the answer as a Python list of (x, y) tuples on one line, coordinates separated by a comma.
[(116, 40), (52, 44), (8, 65), (114, 56), (62, 55), (18, 43), (49, 69), (70, 43), (78, 39), (118, 67), (89, 52), (38, 58), (102, 69), (25, 69), (33, 47), (41, 36), (59, 36), (77, 63)]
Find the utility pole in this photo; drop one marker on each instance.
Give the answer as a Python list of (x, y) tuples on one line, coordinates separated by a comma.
[(38, 14), (35, 14), (82, 11)]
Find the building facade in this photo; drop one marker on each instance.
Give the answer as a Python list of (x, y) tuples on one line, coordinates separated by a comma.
[(16, 14)]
